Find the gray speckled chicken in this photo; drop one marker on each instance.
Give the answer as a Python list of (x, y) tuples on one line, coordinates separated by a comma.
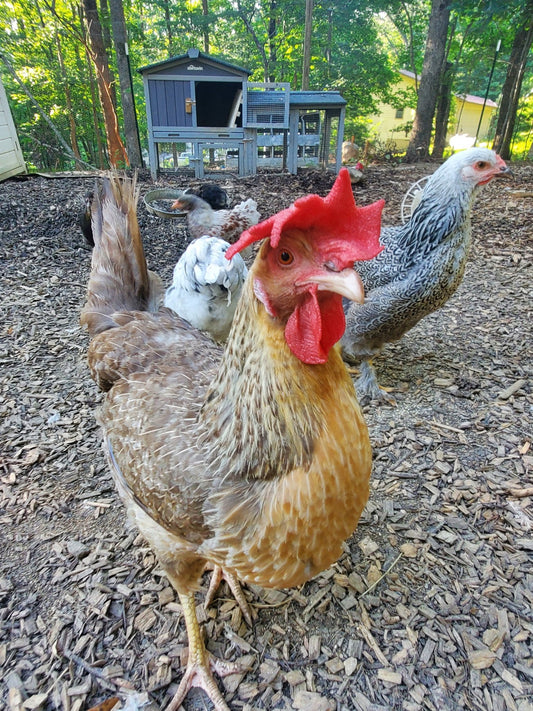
[(421, 265)]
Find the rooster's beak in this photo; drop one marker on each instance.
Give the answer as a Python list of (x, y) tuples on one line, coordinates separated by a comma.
[(347, 283)]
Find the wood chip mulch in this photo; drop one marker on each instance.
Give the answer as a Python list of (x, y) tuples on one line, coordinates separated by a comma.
[(431, 604)]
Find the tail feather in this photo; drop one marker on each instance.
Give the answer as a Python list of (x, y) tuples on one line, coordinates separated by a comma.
[(120, 280)]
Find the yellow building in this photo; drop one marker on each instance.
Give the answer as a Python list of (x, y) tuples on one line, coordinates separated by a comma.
[(391, 124)]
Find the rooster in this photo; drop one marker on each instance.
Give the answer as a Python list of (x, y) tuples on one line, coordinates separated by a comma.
[(226, 224), (206, 286), (421, 266), (256, 458)]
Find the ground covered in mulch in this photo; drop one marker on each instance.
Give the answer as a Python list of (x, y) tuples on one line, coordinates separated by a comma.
[(430, 606)]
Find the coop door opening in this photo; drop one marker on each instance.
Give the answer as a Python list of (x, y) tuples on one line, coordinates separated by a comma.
[(218, 104)]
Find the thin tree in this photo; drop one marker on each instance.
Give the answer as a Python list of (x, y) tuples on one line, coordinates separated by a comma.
[(444, 100), (272, 39), (444, 103), (127, 97), (168, 29), (247, 16), (513, 84), (93, 90), (68, 99), (105, 22), (308, 33), (435, 52), (117, 151), (205, 32)]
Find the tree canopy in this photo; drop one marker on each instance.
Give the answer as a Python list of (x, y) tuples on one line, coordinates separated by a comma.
[(55, 79)]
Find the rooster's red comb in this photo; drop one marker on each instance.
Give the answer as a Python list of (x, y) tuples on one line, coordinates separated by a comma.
[(334, 219)]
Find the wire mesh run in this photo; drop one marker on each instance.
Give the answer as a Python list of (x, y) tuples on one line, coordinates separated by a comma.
[(266, 107)]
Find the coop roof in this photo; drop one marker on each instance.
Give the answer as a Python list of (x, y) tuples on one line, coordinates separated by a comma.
[(192, 54), (316, 99)]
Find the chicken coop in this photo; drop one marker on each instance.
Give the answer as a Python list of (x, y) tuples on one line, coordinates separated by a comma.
[(205, 117)]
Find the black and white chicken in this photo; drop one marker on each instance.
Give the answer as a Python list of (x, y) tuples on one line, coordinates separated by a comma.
[(206, 286), (421, 265), (213, 194)]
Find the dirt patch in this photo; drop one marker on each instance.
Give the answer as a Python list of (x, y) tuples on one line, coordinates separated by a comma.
[(430, 605)]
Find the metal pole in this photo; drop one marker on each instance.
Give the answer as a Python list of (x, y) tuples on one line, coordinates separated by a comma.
[(488, 87)]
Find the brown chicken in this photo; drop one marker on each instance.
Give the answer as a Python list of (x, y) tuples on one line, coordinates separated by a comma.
[(255, 459)]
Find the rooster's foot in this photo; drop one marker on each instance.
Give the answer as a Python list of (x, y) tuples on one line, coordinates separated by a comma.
[(200, 675), (217, 577), (368, 389), (201, 664)]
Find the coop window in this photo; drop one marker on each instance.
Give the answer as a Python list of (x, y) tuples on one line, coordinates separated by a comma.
[(266, 105), (399, 113)]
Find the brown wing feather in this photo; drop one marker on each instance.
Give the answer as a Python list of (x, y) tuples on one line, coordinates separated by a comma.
[(120, 279), (145, 342)]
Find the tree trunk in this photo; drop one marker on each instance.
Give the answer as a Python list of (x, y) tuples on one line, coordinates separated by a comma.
[(106, 35), (68, 100), (272, 46), (205, 12), (329, 38), (418, 148), (444, 103), (513, 85), (168, 26), (92, 88), (308, 33), (131, 129), (117, 153)]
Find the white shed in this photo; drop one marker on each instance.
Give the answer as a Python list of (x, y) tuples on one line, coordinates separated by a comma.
[(11, 160)]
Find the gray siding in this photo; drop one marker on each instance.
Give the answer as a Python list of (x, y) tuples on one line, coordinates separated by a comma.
[(167, 102)]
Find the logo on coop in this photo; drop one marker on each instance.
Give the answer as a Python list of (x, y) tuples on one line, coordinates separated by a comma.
[(194, 68)]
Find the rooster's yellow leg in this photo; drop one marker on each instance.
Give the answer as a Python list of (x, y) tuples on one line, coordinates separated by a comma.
[(217, 576), (200, 664)]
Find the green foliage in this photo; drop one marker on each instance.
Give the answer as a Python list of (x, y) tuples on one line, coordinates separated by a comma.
[(403, 30), (31, 37), (356, 49), (522, 144), (401, 98), (348, 56)]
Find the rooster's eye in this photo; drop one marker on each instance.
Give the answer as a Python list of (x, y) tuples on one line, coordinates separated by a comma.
[(481, 164), (285, 257)]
